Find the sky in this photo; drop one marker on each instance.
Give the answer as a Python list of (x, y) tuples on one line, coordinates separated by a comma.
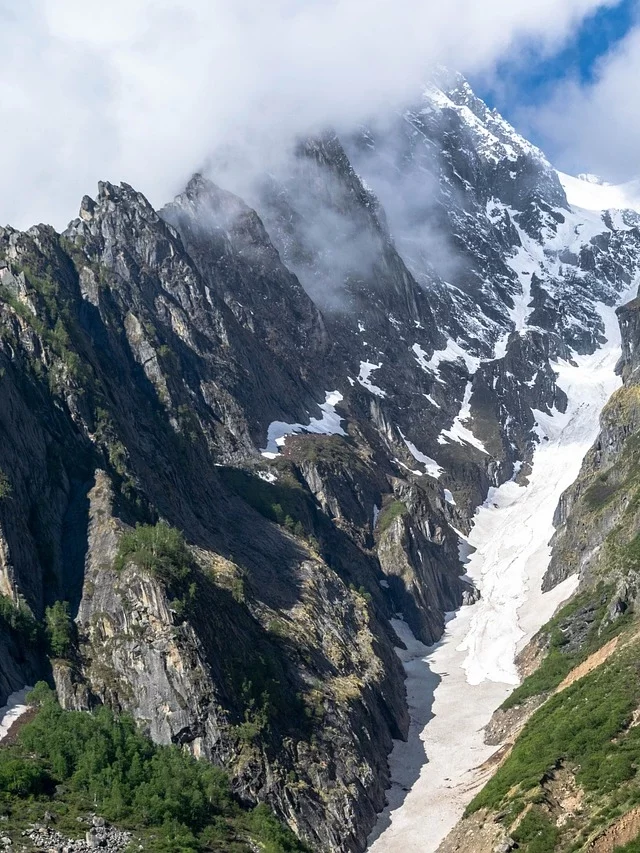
[(531, 90), (529, 81), (149, 91)]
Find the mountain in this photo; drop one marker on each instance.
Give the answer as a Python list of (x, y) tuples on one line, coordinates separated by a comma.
[(240, 437), (568, 775)]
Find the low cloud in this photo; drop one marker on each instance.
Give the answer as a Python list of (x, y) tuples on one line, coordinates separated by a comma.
[(147, 91)]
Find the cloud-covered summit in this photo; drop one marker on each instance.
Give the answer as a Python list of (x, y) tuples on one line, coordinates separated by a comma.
[(147, 91)]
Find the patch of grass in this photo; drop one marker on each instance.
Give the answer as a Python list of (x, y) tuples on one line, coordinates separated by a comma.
[(586, 727), (560, 660), (329, 449), (396, 509), (598, 495), (536, 833)]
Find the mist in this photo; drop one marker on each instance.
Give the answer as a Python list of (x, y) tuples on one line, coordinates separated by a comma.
[(149, 92)]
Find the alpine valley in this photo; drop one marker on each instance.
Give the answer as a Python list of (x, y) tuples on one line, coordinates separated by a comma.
[(324, 502)]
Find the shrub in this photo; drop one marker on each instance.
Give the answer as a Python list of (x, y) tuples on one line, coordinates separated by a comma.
[(537, 832), (5, 486), (157, 549), (18, 619)]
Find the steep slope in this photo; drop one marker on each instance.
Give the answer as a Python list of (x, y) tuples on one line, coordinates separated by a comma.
[(568, 777), (130, 385), (512, 530), (298, 386)]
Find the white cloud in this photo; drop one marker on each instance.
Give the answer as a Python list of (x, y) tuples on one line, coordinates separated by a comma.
[(145, 90), (595, 127)]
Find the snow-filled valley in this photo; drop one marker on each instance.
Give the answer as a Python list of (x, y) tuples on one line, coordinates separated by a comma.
[(454, 687)]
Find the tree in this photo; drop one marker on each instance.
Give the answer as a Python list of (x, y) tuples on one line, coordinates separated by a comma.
[(59, 629)]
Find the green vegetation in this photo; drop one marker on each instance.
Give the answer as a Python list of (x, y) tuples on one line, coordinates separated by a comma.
[(5, 486), (260, 686), (54, 322), (73, 763), (332, 450), (59, 629), (586, 727), (157, 549), (360, 590), (601, 492), (18, 619), (627, 555), (559, 660), (536, 832), (396, 509), (161, 551)]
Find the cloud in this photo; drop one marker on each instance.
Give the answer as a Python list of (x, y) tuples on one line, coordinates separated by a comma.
[(147, 90), (595, 127)]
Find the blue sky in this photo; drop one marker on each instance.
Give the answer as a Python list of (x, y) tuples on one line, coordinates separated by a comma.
[(528, 82)]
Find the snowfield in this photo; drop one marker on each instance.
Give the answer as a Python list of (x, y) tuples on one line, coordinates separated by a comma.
[(454, 687), (591, 195)]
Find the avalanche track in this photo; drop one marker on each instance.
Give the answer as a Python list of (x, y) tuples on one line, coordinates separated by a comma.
[(454, 687)]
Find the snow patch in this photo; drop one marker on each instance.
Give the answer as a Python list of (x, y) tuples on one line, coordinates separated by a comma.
[(452, 352), (328, 424), (458, 431), (590, 195), (432, 467), (432, 401), (366, 369)]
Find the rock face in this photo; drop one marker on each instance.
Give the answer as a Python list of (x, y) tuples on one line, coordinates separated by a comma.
[(317, 387)]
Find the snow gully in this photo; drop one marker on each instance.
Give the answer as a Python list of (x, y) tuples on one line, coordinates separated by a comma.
[(454, 687)]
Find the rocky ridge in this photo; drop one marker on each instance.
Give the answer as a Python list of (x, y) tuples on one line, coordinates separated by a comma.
[(162, 366)]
